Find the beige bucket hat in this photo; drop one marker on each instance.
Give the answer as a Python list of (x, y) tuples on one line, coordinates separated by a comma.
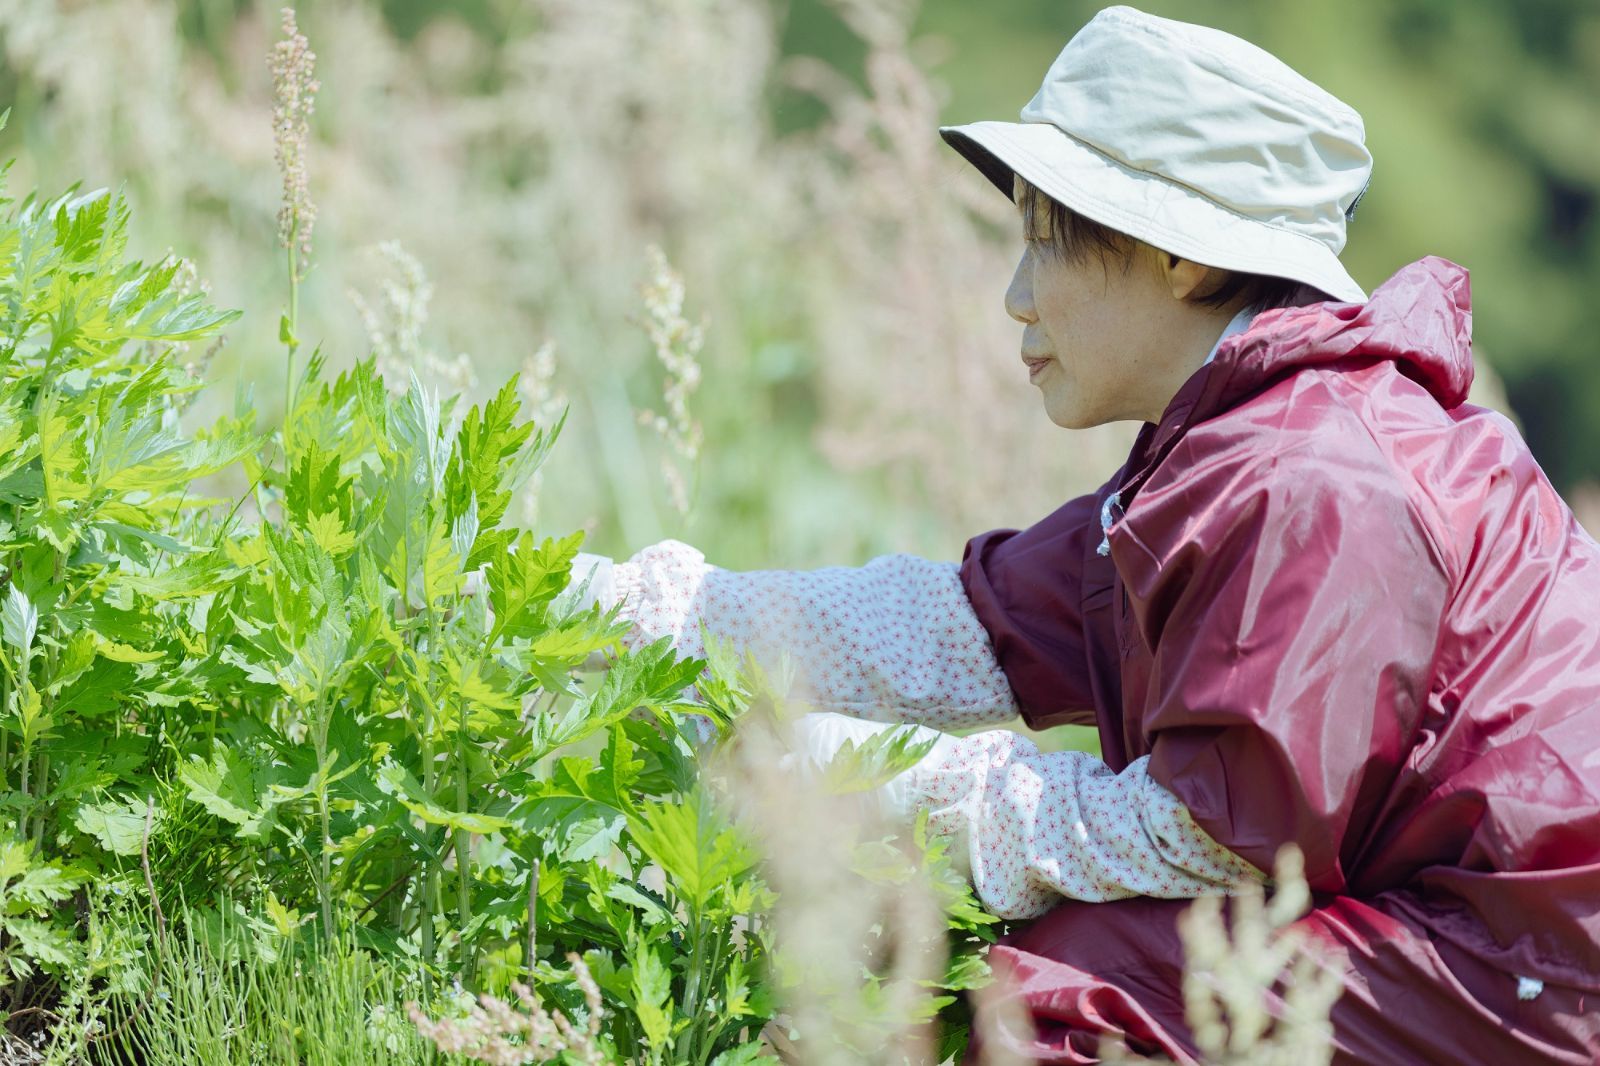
[(1191, 140)]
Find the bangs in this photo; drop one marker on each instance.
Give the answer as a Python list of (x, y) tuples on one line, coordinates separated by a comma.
[(1070, 237)]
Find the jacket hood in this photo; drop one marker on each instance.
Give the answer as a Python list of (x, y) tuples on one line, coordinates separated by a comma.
[(1421, 319)]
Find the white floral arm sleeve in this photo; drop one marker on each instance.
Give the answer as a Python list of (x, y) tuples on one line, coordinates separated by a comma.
[(895, 640), (1038, 826)]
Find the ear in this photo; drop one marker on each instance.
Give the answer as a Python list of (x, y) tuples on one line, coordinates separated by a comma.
[(1183, 276)]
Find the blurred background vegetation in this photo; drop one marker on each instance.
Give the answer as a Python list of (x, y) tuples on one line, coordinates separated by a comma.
[(491, 173)]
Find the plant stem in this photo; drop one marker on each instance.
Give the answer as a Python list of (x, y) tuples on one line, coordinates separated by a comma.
[(691, 990), (701, 1036), (5, 737), (533, 915), (463, 851), (425, 891), (386, 893), (430, 872), (292, 339), (41, 782), (27, 766), (51, 658), (319, 729), (704, 1035)]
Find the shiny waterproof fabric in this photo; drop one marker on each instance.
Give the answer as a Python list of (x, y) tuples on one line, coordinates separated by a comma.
[(1341, 608)]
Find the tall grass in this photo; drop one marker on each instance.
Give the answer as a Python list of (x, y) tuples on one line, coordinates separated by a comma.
[(860, 389), (222, 991)]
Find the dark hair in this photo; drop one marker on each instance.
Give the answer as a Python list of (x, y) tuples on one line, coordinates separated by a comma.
[(1074, 237)]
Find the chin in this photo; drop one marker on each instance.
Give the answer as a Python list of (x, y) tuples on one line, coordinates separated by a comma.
[(1070, 418)]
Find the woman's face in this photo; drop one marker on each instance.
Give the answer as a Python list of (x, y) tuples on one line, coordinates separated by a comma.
[(1101, 342)]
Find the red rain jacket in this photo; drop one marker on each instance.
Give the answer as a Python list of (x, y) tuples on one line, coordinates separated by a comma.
[(1341, 608)]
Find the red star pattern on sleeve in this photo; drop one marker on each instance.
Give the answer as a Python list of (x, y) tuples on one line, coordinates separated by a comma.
[(897, 641)]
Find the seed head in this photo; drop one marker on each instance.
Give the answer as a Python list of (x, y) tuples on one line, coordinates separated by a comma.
[(677, 343), (544, 404), (294, 90), (494, 1031)]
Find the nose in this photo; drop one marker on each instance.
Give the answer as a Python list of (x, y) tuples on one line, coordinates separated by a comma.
[(1019, 294)]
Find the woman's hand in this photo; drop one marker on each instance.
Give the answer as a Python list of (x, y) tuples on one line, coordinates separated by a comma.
[(818, 738), (592, 582)]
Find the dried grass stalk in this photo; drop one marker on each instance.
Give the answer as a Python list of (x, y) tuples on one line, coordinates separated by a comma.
[(497, 1032)]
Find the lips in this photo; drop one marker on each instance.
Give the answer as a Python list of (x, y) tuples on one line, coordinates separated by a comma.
[(1037, 363)]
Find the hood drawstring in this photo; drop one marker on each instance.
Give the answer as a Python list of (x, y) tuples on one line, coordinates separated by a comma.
[(1106, 519)]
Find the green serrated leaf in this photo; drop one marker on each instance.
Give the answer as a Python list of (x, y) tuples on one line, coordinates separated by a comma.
[(481, 475), (700, 851), (652, 989), (619, 768), (394, 780), (468, 684), (229, 788), (27, 882), (876, 760), (329, 532), (19, 622), (102, 688), (740, 1055), (44, 942), (522, 582), (577, 826), (117, 824), (285, 920), (61, 455)]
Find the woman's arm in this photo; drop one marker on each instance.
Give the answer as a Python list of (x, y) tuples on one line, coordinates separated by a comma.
[(1292, 594), (1039, 826), (1043, 595), (895, 640)]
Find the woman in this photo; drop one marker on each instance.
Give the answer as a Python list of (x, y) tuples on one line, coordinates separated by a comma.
[(1325, 602)]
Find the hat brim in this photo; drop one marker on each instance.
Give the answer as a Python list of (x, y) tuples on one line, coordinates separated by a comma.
[(1163, 213)]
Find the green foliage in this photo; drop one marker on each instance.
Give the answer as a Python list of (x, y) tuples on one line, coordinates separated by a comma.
[(230, 989), (30, 893), (315, 701), (104, 545), (345, 708), (875, 761)]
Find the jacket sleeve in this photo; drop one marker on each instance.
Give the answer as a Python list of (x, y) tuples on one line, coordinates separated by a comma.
[(1292, 598), (894, 640), (1035, 827), (1041, 594)]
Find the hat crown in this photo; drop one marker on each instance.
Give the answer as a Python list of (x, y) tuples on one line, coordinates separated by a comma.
[(1212, 112)]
